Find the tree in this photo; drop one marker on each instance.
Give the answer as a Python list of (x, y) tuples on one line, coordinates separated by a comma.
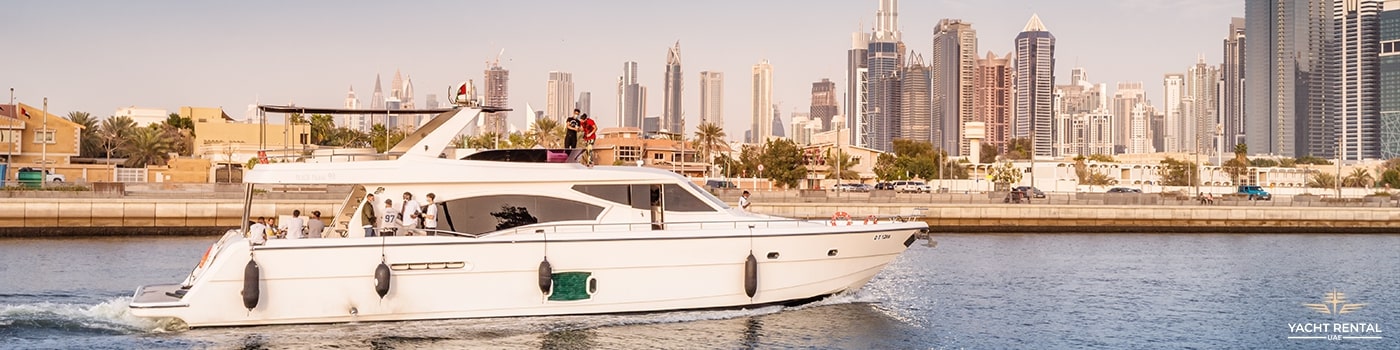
[(1322, 180), (1006, 173), (1312, 160), (1390, 178), (1239, 165), (1178, 172), (709, 138), (989, 154), (323, 131), (1102, 158), (749, 160), (835, 158), (1019, 148), (175, 120), (89, 137), (1263, 163), (545, 132), (782, 163), (146, 146), (520, 140), (1359, 177), (887, 170), (114, 132)]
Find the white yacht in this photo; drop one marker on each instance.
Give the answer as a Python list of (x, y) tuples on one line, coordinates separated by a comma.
[(536, 235)]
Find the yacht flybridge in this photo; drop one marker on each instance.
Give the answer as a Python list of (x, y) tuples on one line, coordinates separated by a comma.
[(532, 236)]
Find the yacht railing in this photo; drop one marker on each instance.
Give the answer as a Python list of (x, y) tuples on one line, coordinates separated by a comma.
[(648, 226)]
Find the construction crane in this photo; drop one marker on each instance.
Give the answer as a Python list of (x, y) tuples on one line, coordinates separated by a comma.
[(497, 62)]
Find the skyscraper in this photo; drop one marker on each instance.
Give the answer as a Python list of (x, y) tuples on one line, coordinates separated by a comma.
[(1285, 92), (1232, 85), (1128, 101), (1390, 79), (584, 103), (673, 116), (559, 96), (992, 100), (953, 63), (497, 85), (884, 62), (396, 86), (354, 121), (1355, 53), (1173, 89), (778, 123), (857, 89), (762, 102), (1199, 105), (408, 122), (823, 106), (376, 101), (1082, 116), (712, 98), (916, 116), (631, 97), (1035, 83)]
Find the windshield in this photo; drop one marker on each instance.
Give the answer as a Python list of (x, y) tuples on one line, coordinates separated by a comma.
[(707, 196)]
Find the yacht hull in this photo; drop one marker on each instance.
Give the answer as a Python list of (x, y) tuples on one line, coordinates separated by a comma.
[(437, 277)]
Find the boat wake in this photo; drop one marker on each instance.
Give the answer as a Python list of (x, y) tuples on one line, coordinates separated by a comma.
[(47, 318)]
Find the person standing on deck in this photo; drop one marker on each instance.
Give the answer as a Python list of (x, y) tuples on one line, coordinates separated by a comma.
[(571, 128), (390, 223), (409, 215), (430, 214), (315, 228), (294, 227), (367, 217), (744, 201), (590, 134)]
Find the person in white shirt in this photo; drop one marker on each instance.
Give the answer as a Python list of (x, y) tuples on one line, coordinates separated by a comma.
[(744, 201), (430, 215), (293, 227), (410, 212), (315, 228), (257, 232), (390, 223)]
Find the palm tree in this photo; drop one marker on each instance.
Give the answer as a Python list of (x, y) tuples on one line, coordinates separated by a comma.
[(88, 137), (1322, 180), (146, 146), (708, 139), (520, 140), (113, 134), (1359, 177), (838, 157), (545, 132)]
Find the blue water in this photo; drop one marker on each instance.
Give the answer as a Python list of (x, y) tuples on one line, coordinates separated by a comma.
[(975, 291)]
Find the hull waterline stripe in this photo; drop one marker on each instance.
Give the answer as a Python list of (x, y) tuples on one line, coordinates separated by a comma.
[(581, 240)]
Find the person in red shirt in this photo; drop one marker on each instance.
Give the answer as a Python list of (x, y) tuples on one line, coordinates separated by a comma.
[(590, 134)]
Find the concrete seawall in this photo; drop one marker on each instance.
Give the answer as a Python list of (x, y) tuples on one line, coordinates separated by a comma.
[(1098, 218), (48, 217)]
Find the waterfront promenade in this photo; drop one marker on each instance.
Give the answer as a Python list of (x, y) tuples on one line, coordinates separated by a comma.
[(192, 210)]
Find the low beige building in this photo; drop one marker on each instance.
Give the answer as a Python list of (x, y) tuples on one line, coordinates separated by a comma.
[(29, 137), (223, 140)]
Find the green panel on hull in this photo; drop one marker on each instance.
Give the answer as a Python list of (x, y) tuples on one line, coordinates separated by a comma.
[(570, 286)]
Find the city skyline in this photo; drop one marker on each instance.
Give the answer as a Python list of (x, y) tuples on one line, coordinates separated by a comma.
[(256, 64)]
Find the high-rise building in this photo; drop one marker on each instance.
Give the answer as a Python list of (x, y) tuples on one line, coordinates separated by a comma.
[(1232, 86), (408, 122), (778, 123), (396, 86), (1355, 54), (1199, 103), (559, 96), (1079, 110), (431, 102), (762, 102), (1035, 83), (712, 98), (1139, 142), (1285, 76), (953, 63), (1173, 87), (354, 121), (823, 106), (916, 115), (672, 114), (993, 99), (857, 88), (885, 59), (631, 97), (376, 101), (1125, 99), (584, 103), (497, 85), (1390, 79)]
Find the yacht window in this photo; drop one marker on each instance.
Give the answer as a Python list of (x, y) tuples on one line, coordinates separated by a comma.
[(476, 215), (678, 199), (612, 193), (706, 195)]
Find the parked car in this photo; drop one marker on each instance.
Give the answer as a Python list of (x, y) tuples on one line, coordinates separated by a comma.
[(884, 186), (49, 176), (850, 187), (719, 184), (1016, 196), (1031, 192), (1255, 192), (912, 186), (1124, 190)]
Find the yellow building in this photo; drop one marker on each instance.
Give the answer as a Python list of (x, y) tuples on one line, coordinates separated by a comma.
[(626, 146), (223, 140), (29, 137)]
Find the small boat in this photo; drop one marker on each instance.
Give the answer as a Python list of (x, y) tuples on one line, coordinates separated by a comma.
[(520, 233)]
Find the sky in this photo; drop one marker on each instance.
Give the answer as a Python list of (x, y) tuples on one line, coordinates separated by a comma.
[(99, 56)]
